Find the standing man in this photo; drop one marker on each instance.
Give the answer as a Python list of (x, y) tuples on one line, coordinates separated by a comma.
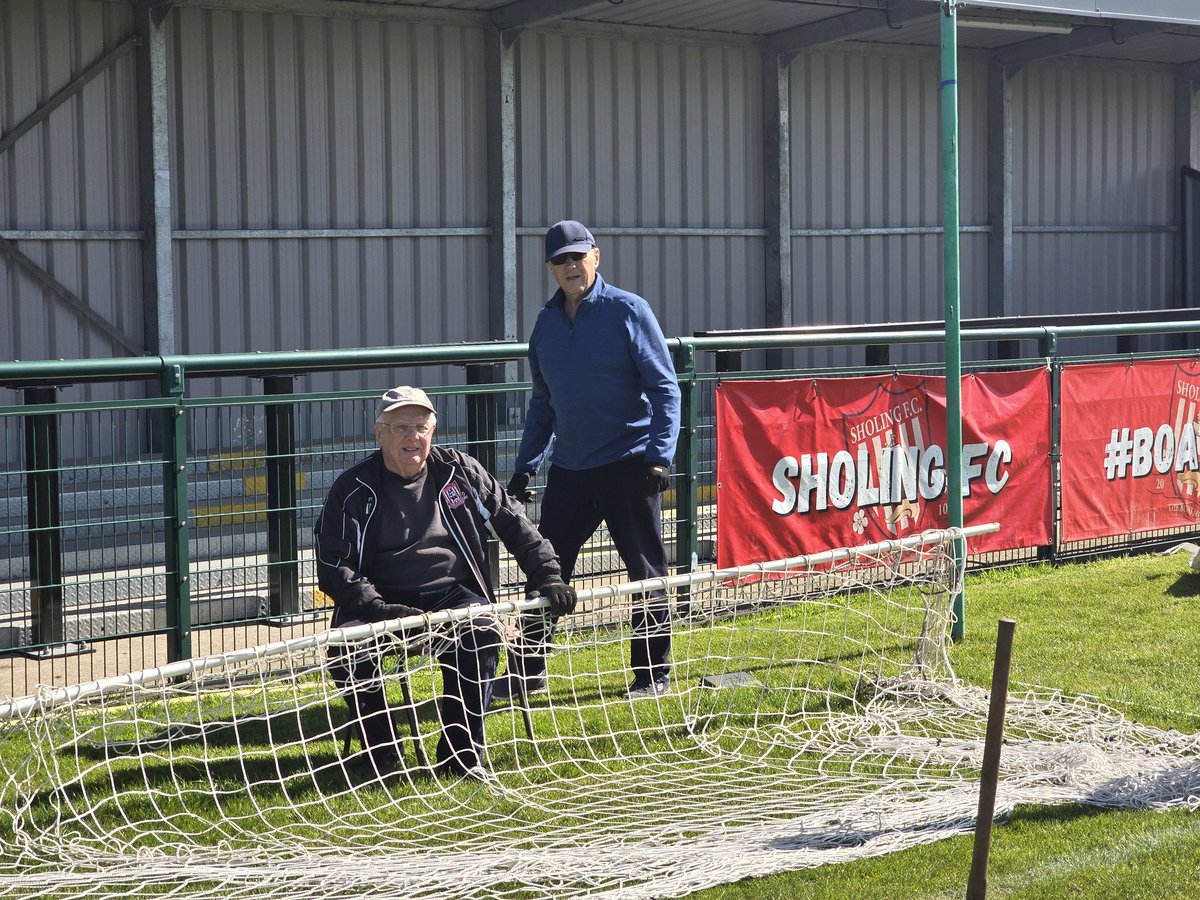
[(605, 389), (403, 533)]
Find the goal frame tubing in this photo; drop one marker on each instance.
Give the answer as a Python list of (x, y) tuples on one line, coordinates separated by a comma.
[(40, 704)]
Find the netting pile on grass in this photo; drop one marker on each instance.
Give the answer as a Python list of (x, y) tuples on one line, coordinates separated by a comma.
[(813, 718)]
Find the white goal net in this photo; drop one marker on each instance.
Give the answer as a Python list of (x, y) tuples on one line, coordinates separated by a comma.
[(812, 718)]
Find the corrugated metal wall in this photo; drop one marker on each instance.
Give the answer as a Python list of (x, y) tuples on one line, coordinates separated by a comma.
[(286, 124), (867, 191), (628, 135), (1095, 188), (76, 171), (306, 124)]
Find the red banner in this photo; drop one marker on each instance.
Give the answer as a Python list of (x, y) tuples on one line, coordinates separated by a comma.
[(803, 466), (1129, 458)]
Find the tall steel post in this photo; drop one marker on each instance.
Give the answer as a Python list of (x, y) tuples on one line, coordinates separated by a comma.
[(950, 293), (283, 544), (42, 467), (175, 515)]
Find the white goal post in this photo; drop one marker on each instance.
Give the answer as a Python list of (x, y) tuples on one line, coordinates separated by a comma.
[(813, 717)]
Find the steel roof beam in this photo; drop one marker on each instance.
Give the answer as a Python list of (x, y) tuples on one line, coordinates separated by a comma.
[(346, 9), (847, 27), (1014, 56), (1165, 12), (514, 18)]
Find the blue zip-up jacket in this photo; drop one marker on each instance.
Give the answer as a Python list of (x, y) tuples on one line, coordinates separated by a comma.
[(603, 386)]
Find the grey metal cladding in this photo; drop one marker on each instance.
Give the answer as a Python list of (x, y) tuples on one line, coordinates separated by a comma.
[(1094, 188), (658, 147), (68, 185), (356, 148), (866, 189)]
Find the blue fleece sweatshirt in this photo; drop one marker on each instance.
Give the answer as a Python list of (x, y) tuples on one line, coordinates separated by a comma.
[(603, 386)]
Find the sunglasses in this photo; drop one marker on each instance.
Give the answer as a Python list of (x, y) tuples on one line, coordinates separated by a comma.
[(563, 258), (401, 429)]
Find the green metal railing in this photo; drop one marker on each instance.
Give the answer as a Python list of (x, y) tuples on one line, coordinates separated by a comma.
[(173, 518)]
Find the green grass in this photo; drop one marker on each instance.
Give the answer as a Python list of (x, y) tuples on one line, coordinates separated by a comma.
[(1124, 630), (139, 772)]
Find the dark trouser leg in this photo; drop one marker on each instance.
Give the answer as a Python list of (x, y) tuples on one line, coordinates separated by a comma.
[(468, 670), (634, 520), (569, 518), (355, 671)]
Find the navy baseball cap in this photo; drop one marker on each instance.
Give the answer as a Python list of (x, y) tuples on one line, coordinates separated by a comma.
[(568, 236)]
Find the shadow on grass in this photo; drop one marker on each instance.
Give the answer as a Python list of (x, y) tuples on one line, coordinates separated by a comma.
[(1042, 815), (1186, 585)]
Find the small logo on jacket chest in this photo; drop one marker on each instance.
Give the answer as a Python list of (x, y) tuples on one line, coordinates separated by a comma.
[(453, 495)]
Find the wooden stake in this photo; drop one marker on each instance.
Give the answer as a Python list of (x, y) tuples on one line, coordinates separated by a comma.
[(977, 881)]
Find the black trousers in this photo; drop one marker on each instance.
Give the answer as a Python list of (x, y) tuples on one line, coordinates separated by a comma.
[(468, 658), (573, 506)]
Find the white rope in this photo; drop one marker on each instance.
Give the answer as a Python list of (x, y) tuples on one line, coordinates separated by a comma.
[(841, 733)]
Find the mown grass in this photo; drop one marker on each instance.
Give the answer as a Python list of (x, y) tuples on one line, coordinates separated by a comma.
[(1124, 630), (130, 769)]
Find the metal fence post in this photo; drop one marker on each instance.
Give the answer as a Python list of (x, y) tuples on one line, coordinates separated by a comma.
[(482, 420), (175, 508), (687, 462), (1050, 553), (283, 552), (47, 615)]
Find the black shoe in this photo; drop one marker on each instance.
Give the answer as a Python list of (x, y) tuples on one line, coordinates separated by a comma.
[(378, 766), (452, 768), (506, 686), (644, 686), (481, 774)]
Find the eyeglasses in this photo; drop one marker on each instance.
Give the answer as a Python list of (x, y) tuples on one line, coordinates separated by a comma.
[(563, 258), (401, 429)]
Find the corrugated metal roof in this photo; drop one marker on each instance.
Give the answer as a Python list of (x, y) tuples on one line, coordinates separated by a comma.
[(752, 19), (1021, 20), (737, 17), (1182, 11)]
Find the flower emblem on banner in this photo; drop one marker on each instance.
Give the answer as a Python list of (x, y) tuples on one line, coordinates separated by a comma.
[(887, 437)]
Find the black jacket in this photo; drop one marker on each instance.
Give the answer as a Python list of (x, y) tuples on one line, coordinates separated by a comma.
[(347, 530)]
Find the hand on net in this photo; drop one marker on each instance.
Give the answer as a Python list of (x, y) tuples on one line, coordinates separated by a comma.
[(562, 597), (400, 611)]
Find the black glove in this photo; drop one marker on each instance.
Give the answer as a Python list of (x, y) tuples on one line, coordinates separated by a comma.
[(518, 488), (399, 611), (562, 597), (656, 478)]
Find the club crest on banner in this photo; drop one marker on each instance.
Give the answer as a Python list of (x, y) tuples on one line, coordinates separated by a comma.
[(1184, 416), (888, 439)]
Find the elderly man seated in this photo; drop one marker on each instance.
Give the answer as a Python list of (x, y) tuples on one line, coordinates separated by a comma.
[(403, 533)]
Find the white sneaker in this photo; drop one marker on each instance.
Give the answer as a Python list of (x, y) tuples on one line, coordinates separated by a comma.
[(645, 687)]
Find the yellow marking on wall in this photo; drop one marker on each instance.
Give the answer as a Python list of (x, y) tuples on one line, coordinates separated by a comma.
[(705, 493), (212, 515), (237, 459), (257, 484)]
